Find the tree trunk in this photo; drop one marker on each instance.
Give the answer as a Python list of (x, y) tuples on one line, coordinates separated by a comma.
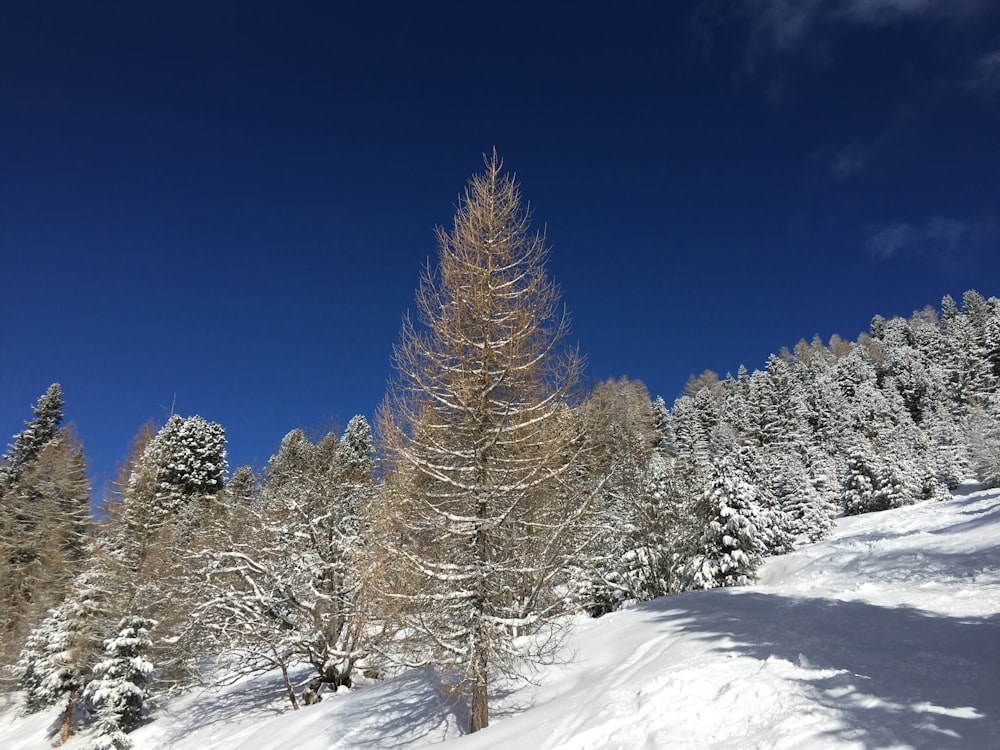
[(67, 722), (288, 688), (480, 705)]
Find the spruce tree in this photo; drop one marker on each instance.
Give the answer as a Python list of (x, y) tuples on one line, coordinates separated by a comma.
[(53, 666), (119, 688), (169, 496), (29, 442), (740, 534), (862, 482)]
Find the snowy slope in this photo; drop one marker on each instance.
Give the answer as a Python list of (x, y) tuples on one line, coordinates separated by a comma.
[(887, 634)]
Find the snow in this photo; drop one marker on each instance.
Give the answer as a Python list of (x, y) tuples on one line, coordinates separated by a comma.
[(886, 634)]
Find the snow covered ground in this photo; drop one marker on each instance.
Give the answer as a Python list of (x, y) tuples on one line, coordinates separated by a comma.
[(885, 635)]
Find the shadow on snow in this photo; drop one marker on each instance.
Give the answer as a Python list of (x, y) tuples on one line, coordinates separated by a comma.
[(900, 675)]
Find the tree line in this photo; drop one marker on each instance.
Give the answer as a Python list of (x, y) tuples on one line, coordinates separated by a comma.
[(494, 496)]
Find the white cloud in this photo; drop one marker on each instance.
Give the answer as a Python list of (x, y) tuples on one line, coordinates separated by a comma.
[(986, 76), (785, 24), (890, 239), (883, 11), (851, 160), (846, 161), (941, 239)]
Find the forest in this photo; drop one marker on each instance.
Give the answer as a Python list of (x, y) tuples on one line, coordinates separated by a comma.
[(491, 497)]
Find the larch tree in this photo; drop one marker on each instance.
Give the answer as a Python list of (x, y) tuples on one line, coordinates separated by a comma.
[(621, 434), (44, 536), (478, 517), (282, 578), (44, 515), (170, 491)]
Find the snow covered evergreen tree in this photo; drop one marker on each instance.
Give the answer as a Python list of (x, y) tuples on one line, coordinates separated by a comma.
[(739, 535), (869, 484), (175, 476), (119, 687), (672, 518), (35, 666), (813, 513), (53, 666), (693, 419), (29, 442), (949, 450), (984, 428)]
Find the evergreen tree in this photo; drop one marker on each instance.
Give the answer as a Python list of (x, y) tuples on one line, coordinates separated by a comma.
[(29, 442), (780, 406), (819, 506), (36, 663), (950, 458), (119, 688), (661, 423), (672, 518), (52, 667), (985, 441), (694, 418), (791, 489), (739, 535), (972, 337), (865, 483)]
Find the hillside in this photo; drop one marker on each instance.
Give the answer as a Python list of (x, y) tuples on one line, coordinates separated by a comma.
[(886, 634)]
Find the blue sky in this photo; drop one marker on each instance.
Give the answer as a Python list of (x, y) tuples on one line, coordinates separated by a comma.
[(222, 208)]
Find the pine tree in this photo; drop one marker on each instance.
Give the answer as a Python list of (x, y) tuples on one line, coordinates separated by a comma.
[(29, 442), (984, 440), (740, 534), (780, 405), (167, 487), (819, 505), (477, 516), (119, 688), (672, 520), (970, 338), (694, 418), (36, 663), (53, 666), (863, 482)]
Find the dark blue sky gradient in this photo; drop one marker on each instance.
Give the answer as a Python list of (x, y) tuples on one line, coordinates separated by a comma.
[(225, 206)]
